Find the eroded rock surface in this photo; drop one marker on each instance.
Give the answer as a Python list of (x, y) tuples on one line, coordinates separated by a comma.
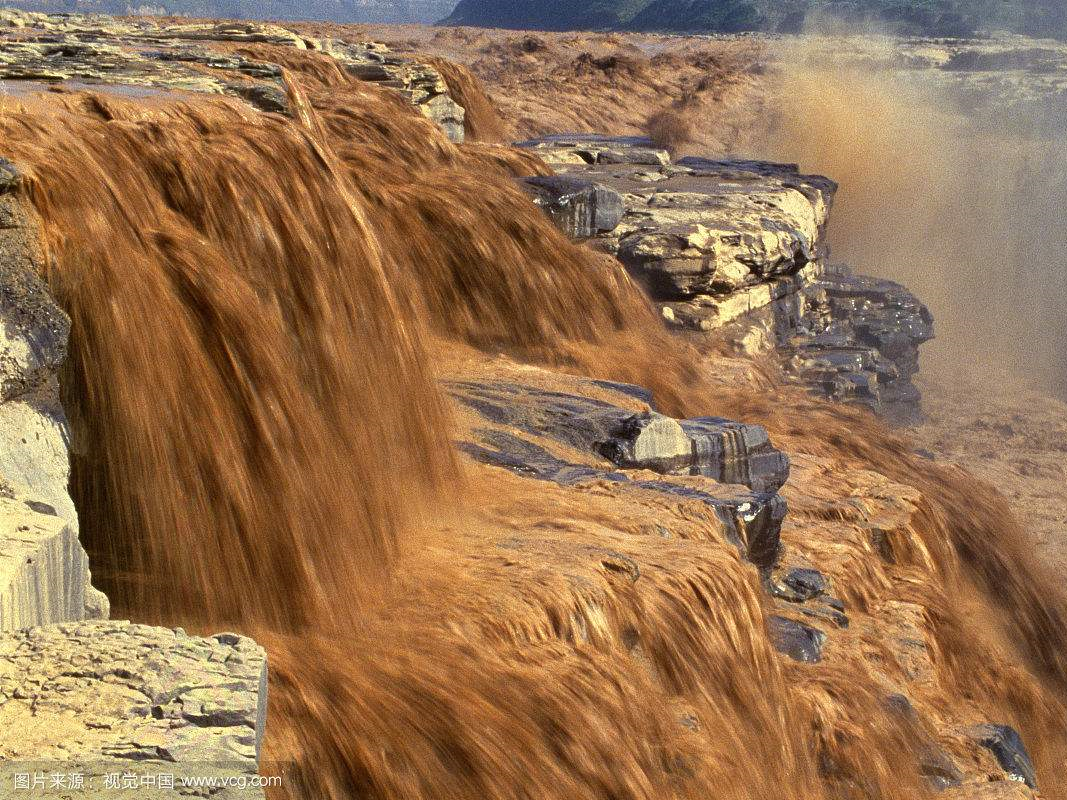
[(140, 57), (614, 443), (44, 572), (103, 696), (736, 248), (579, 207)]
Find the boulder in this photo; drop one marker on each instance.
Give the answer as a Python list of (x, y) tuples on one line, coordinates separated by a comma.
[(578, 207), (1004, 742), (106, 697), (649, 441), (606, 439), (736, 452), (724, 450), (805, 583), (795, 639)]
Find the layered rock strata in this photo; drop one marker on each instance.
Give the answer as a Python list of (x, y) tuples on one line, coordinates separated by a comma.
[(604, 445), (44, 572), (140, 57), (737, 248), (618, 445)]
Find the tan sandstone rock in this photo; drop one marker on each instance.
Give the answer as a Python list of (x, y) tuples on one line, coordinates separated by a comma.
[(102, 698)]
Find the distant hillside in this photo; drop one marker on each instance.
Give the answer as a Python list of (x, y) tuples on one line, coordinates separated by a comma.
[(910, 17), (377, 11), (546, 14)]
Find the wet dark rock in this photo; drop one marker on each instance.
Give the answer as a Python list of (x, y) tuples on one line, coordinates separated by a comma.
[(938, 768), (734, 452), (751, 519), (10, 176), (1004, 742), (805, 583), (935, 764), (859, 342), (265, 98), (727, 451), (804, 590), (823, 612), (630, 390), (795, 639), (753, 522), (255, 69), (648, 441), (901, 704), (578, 207), (502, 449)]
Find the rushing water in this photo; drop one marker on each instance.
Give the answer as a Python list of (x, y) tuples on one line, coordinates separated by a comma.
[(258, 305), (952, 184)]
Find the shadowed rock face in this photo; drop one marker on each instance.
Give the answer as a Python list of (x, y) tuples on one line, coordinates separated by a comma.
[(44, 573), (736, 248), (578, 207), (795, 639), (1004, 742)]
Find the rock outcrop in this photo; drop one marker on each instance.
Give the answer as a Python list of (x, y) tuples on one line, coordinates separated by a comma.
[(103, 697), (524, 427), (44, 572), (420, 83), (139, 58), (1004, 742), (736, 249), (577, 206)]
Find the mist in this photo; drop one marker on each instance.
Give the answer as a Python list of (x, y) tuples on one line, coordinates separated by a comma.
[(955, 187)]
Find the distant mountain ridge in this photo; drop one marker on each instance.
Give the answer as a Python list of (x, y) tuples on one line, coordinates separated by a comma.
[(371, 11), (910, 17)]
